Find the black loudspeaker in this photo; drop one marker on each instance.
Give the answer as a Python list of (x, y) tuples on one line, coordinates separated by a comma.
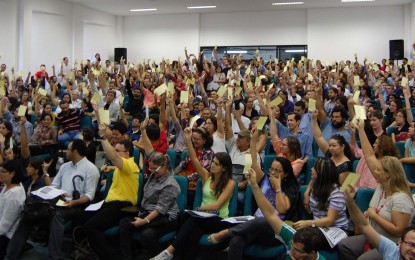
[(396, 50), (120, 52)]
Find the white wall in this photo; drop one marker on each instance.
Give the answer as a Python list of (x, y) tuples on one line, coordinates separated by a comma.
[(335, 33), (158, 36), (254, 28), (8, 38)]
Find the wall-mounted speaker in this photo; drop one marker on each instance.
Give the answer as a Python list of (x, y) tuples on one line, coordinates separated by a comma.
[(120, 52), (396, 49)]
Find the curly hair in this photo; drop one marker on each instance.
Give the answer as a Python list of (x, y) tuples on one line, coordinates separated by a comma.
[(386, 147)]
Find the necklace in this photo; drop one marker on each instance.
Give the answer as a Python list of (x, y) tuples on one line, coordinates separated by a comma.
[(379, 208)]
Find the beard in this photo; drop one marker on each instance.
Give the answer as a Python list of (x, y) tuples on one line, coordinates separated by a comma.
[(338, 125)]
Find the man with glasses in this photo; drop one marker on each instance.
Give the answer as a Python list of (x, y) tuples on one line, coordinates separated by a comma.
[(86, 185), (387, 248), (122, 193)]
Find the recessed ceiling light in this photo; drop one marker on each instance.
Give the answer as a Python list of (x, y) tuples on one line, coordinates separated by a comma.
[(201, 7), (143, 10), (353, 1), (289, 3)]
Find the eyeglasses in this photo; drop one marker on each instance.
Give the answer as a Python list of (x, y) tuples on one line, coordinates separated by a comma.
[(119, 151), (296, 251), (154, 170), (272, 170), (410, 244)]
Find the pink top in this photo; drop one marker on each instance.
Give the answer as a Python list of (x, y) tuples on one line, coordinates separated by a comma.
[(148, 98), (366, 178), (296, 164)]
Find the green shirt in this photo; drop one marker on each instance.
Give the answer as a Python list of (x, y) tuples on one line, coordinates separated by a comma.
[(210, 198)]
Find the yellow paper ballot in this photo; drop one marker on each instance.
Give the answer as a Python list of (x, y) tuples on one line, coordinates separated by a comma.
[(257, 82), (85, 91), (376, 67), (69, 75), (288, 63), (355, 55), (95, 98), (184, 96), (261, 122), (193, 120), (410, 62), (285, 68), (238, 91), (2, 91), (351, 179), (257, 51), (302, 58), (404, 82), (249, 85), (22, 110), (230, 93), (275, 102), (310, 77), (42, 92), (360, 112), (311, 105), (356, 96), (221, 91), (248, 70), (248, 163), (170, 87), (60, 203), (104, 116), (19, 74), (356, 81), (276, 60), (160, 89), (292, 60)]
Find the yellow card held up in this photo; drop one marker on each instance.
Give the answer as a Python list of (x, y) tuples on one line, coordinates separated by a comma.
[(376, 67), (310, 77), (184, 96), (261, 122), (248, 70), (302, 58), (351, 179), (356, 96), (69, 75), (95, 98), (360, 112), (275, 102), (238, 91), (104, 116), (410, 62), (60, 203), (2, 90), (42, 92), (160, 89), (85, 91), (249, 85), (404, 82), (311, 105), (170, 87), (230, 93), (248, 163), (257, 82), (193, 120), (356, 81), (292, 60), (222, 91), (22, 110)]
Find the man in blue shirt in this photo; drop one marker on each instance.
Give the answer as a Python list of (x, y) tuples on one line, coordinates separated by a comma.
[(387, 248)]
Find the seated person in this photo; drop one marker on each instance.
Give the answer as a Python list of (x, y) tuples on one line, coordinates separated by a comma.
[(218, 188), (123, 193), (280, 188), (45, 135), (158, 213), (386, 248), (325, 200), (12, 198)]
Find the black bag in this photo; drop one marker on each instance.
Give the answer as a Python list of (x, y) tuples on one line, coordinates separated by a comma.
[(37, 209), (82, 249)]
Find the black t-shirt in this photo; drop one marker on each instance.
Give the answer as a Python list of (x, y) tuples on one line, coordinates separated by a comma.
[(91, 152)]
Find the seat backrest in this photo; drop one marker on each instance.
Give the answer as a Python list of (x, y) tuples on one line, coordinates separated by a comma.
[(310, 164), (390, 129), (172, 155), (363, 197), (268, 147), (136, 155), (85, 121), (409, 172), (182, 197), (248, 201), (268, 162), (304, 214), (232, 202), (184, 155), (401, 147), (355, 163)]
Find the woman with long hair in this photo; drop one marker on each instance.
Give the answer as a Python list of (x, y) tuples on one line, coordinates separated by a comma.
[(12, 198), (336, 148), (391, 208), (280, 187), (218, 188), (326, 202)]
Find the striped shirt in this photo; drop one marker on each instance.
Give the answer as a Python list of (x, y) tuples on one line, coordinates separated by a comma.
[(336, 202), (70, 122)]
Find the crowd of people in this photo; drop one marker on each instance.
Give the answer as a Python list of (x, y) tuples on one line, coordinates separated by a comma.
[(219, 120)]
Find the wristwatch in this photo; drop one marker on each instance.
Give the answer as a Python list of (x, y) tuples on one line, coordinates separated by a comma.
[(313, 224)]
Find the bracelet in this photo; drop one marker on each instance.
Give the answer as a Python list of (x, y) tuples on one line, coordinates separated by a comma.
[(148, 221)]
